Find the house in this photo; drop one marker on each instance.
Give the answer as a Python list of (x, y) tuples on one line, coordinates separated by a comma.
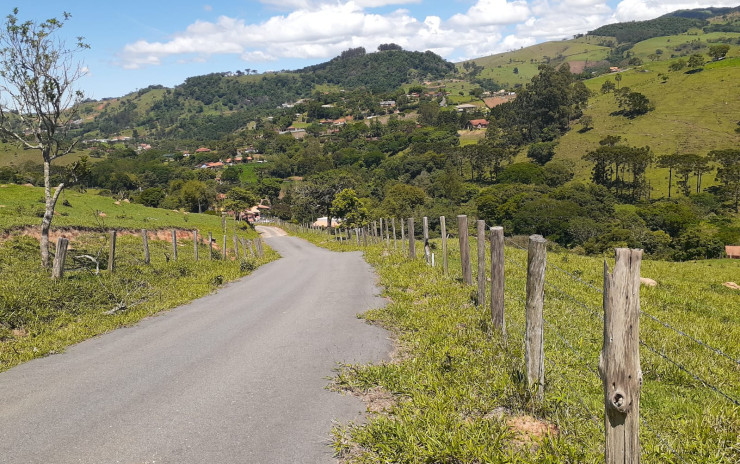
[(477, 124), (613, 69), (466, 107), (203, 150), (388, 103), (732, 252)]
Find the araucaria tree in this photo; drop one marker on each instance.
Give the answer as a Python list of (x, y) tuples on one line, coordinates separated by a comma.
[(37, 97)]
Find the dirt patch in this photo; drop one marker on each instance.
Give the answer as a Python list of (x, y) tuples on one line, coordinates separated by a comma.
[(529, 432), (577, 67), (495, 101), (732, 285)]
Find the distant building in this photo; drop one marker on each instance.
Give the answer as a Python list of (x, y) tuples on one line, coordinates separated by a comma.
[(732, 252), (465, 107), (477, 124)]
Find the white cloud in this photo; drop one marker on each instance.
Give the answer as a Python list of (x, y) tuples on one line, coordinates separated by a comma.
[(629, 10), (321, 29), (493, 12)]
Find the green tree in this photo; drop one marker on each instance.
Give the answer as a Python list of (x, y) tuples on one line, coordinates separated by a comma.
[(696, 61), (239, 199), (194, 195), (401, 200), (718, 51), (608, 86), (541, 152), (38, 100), (349, 207), (670, 161), (677, 65), (728, 173)]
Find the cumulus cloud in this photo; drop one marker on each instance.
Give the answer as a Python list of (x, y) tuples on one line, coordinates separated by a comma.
[(628, 10), (321, 29)]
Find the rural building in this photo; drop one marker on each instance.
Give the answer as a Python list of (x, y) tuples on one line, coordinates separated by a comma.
[(732, 252), (465, 107), (477, 124)]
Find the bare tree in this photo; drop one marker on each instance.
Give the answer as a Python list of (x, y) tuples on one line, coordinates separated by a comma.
[(37, 97)]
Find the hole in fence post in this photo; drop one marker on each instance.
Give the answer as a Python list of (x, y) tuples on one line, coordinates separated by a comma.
[(534, 339)]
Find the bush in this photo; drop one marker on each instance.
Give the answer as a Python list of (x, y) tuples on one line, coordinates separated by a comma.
[(522, 173)]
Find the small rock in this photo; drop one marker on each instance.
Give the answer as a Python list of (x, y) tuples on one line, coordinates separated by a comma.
[(116, 202), (126, 200), (732, 285), (648, 282)]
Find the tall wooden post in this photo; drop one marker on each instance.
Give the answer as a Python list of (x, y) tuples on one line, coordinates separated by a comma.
[(619, 362), (59, 257), (223, 221), (236, 246), (534, 341), (443, 230), (381, 229), (174, 244), (403, 234), (223, 257), (145, 240), (425, 230), (112, 252), (412, 239), (498, 319), (462, 228), (387, 235), (195, 244), (364, 236), (395, 242), (243, 241), (210, 246), (481, 248)]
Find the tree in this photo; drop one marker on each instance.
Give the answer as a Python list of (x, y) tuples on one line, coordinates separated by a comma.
[(587, 122), (238, 199), (677, 65), (696, 61), (729, 173), (348, 206), (717, 52), (541, 152), (38, 98), (670, 161), (608, 86), (618, 78)]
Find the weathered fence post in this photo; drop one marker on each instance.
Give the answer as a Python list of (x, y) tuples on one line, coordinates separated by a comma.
[(210, 246), (412, 239), (59, 257), (244, 246), (145, 240), (260, 249), (619, 362), (174, 244), (395, 242), (223, 257), (236, 246), (387, 235), (364, 236), (425, 230), (223, 221), (497, 279), (534, 343), (112, 251), (481, 247), (195, 244), (403, 234), (462, 228), (443, 230)]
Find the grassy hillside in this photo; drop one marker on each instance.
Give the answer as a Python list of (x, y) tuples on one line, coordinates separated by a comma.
[(500, 67), (694, 113), (39, 316)]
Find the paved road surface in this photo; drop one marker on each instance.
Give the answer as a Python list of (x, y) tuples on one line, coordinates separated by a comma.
[(235, 377)]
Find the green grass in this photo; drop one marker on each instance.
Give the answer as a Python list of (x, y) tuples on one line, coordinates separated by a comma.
[(39, 316), (13, 155), (247, 174), (457, 384)]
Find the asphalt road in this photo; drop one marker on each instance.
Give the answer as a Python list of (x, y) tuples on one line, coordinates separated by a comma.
[(238, 376)]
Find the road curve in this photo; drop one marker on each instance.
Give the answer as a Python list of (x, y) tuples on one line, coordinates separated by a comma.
[(238, 376)]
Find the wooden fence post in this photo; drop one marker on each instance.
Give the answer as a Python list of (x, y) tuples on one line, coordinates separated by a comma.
[(223, 221), (619, 362), (381, 229), (481, 248), (395, 242), (195, 244), (260, 249), (145, 240), (244, 246), (223, 257), (443, 228), (112, 252), (403, 234), (462, 228), (236, 246), (534, 343), (387, 235), (210, 246), (59, 257), (174, 244), (497, 279), (364, 236), (412, 239), (425, 230)]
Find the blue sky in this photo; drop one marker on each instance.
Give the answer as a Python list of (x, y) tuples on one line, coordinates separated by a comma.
[(139, 43)]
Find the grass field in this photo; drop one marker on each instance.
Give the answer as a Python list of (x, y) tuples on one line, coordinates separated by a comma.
[(454, 390), (13, 155), (39, 316)]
